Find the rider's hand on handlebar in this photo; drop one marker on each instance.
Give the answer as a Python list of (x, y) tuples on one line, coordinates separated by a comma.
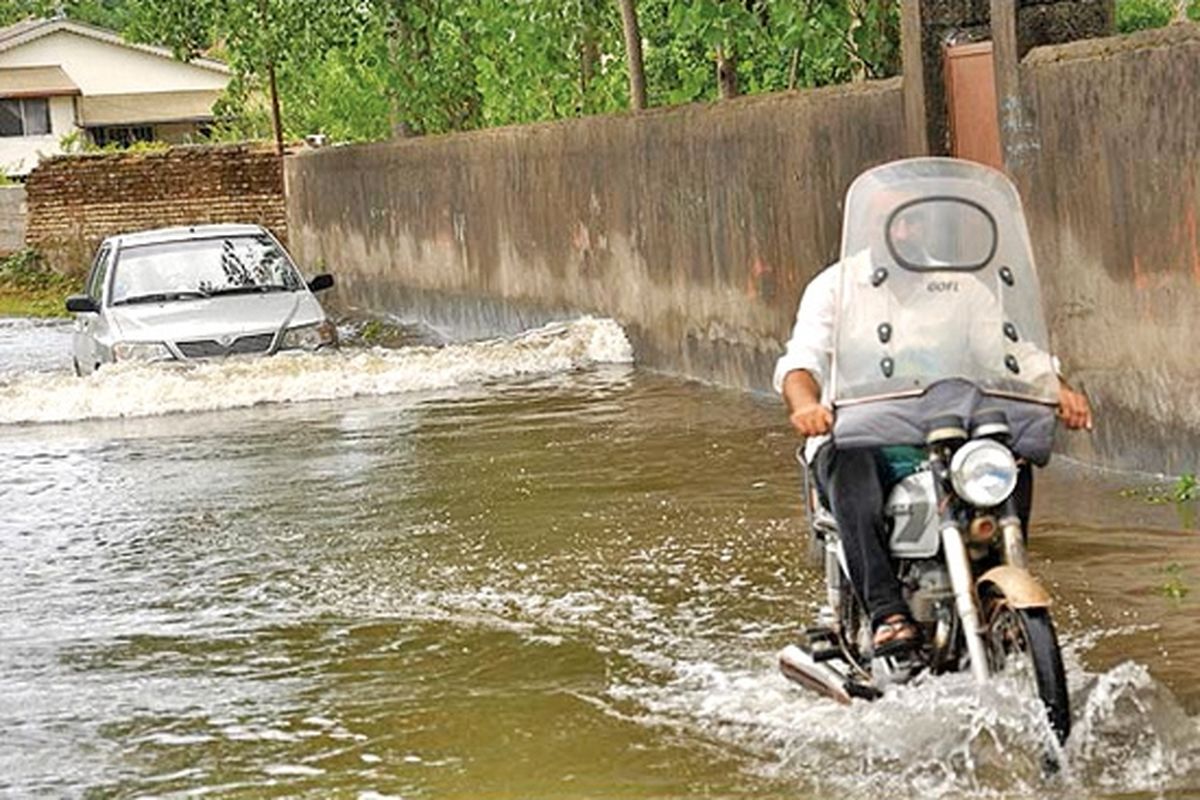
[(1073, 408), (811, 419)]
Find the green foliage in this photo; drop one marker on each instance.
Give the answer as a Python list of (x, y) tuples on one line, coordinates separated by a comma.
[(1136, 15), (371, 69), (29, 288), (25, 271), (776, 44), (113, 14), (1174, 586), (1186, 489)]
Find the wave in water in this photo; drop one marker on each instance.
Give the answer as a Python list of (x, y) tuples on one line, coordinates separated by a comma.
[(138, 390)]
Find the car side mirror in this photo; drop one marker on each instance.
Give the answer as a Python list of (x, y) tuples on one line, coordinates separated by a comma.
[(82, 304), (320, 282)]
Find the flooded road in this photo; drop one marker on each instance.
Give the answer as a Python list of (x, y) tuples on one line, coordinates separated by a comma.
[(515, 569)]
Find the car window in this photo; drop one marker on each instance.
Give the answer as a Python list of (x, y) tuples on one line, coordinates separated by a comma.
[(95, 282), (195, 268)]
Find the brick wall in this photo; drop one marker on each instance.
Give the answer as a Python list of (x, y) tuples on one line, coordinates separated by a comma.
[(75, 201)]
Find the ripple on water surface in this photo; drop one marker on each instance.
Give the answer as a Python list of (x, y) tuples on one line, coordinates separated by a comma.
[(568, 580)]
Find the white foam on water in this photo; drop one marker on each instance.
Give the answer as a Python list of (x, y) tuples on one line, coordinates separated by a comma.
[(135, 390), (941, 737)]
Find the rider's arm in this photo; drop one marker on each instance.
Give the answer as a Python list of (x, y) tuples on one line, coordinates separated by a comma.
[(802, 394), (1073, 407), (802, 369)]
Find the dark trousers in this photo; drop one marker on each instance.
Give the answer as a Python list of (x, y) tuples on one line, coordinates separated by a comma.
[(855, 483)]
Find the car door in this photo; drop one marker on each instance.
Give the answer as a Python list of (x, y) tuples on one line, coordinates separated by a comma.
[(86, 353)]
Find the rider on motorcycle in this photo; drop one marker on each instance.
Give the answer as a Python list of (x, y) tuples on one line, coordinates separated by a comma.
[(855, 481)]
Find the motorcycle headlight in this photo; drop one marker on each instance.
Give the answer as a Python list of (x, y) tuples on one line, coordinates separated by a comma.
[(984, 472), (309, 337), (141, 351)]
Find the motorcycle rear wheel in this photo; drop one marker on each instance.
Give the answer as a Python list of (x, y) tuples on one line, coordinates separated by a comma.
[(1028, 633)]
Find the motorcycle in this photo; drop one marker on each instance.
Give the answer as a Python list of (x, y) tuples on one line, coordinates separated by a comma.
[(940, 347)]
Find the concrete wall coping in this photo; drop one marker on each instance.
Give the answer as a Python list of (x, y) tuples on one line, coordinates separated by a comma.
[(1173, 35), (172, 152), (708, 110)]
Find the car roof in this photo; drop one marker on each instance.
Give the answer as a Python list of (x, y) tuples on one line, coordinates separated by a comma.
[(182, 233)]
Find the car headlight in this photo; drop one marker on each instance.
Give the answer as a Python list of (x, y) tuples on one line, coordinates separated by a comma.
[(141, 351), (984, 472), (309, 337)]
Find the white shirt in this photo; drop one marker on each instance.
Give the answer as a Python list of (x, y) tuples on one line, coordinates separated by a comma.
[(811, 345)]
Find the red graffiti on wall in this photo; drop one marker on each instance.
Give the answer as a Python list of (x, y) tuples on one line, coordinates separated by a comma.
[(1186, 239), (759, 271)]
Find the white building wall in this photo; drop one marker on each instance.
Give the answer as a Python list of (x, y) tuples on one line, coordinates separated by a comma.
[(101, 68), (20, 154)]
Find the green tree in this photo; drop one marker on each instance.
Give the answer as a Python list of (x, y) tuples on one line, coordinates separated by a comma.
[(261, 39)]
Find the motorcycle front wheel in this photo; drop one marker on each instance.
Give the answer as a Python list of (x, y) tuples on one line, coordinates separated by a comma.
[(1024, 639)]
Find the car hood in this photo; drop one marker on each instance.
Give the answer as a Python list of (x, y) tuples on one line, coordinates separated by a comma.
[(208, 318)]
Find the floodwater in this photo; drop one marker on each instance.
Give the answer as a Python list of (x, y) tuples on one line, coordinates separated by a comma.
[(512, 569)]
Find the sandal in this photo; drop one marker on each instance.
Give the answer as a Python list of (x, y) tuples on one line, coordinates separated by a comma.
[(894, 635)]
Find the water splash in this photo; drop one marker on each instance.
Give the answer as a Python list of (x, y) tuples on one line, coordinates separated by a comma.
[(135, 390), (942, 737)]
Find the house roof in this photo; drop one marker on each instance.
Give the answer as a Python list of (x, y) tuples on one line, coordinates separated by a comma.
[(31, 29), (147, 107), (36, 82)]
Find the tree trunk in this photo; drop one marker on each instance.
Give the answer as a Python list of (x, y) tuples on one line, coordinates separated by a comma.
[(276, 119), (633, 53), (1181, 9), (273, 85), (727, 73)]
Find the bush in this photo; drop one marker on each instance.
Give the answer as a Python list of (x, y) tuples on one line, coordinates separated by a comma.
[(24, 272), (1137, 15)]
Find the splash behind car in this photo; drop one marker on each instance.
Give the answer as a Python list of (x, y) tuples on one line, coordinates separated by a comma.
[(206, 291)]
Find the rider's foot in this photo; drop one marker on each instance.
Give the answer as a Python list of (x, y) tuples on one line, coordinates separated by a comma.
[(895, 634)]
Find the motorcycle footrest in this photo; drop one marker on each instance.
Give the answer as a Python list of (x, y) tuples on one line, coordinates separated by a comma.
[(861, 691), (823, 654), (820, 634)]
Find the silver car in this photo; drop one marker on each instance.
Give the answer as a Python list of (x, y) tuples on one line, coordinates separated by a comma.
[(205, 291)]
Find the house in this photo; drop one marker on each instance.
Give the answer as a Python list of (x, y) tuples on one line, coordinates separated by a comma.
[(59, 77)]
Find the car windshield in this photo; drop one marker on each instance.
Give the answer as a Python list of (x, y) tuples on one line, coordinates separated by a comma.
[(196, 268)]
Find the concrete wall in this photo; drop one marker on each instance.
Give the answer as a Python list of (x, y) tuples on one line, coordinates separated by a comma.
[(12, 219), (75, 201), (696, 228), (1108, 162)]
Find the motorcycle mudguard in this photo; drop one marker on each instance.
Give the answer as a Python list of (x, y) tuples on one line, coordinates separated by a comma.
[(1018, 586)]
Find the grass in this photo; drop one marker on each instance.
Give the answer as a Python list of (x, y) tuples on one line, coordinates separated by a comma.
[(1184, 490), (30, 289), (1175, 586)]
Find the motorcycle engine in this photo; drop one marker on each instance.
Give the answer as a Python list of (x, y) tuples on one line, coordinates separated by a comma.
[(926, 585)]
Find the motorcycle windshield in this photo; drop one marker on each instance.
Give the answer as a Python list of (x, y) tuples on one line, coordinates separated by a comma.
[(938, 283)]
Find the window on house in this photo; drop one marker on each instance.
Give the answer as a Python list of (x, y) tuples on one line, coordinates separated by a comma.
[(122, 135), (24, 116)]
